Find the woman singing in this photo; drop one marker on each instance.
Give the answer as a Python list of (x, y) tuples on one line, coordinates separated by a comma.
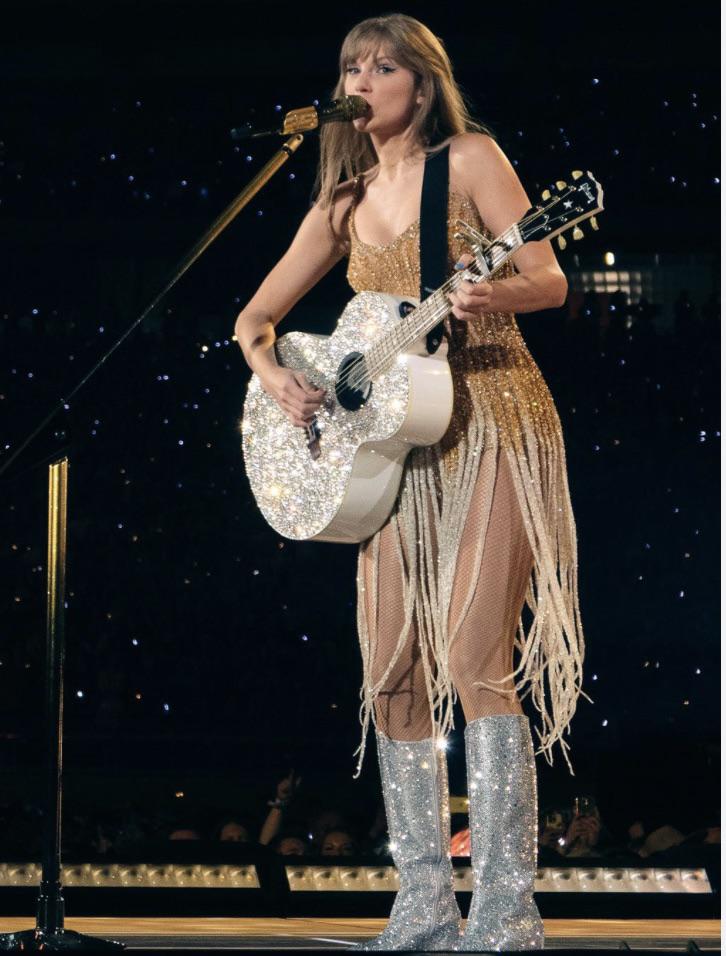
[(482, 523)]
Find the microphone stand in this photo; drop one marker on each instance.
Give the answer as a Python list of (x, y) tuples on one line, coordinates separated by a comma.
[(50, 933)]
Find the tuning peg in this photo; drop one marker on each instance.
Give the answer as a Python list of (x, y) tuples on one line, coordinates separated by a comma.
[(576, 173), (546, 194), (561, 185), (577, 233), (593, 223), (561, 242)]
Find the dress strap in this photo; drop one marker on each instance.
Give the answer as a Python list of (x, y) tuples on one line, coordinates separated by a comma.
[(434, 241), (357, 196), (358, 189)]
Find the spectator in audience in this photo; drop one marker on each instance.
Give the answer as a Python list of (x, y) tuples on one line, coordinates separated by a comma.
[(662, 838), (461, 842), (575, 831), (582, 835), (286, 790), (290, 844), (231, 830), (184, 833), (322, 823), (553, 823), (647, 839), (339, 843)]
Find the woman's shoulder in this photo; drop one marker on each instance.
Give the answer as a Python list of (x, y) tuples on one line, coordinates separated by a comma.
[(467, 149), (476, 158), (335, 213), (347, 194)]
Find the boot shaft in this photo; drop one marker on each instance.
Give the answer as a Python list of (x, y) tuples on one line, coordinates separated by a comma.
[(414, 781), (503, 824)]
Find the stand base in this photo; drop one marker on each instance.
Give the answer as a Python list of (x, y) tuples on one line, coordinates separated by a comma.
[(63, 941)]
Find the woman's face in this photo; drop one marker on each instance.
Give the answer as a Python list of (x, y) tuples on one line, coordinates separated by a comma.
[(388, 88), (337, 843), (291, 846)]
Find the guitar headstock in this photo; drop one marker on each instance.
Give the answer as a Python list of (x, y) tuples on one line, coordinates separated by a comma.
[(566, 203)]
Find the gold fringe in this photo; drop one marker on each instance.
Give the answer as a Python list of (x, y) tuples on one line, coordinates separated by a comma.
[(429, 519)]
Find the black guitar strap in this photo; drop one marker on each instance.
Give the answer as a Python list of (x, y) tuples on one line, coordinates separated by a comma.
[(434, 248)]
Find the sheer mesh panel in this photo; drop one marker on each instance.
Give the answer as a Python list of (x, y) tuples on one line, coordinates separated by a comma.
[(485, 606), (484, 624), (402, 707)]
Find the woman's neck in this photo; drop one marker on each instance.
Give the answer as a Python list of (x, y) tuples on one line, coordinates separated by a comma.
[(396, 155)]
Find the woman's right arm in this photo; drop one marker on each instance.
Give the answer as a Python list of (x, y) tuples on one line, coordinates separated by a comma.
[(315, 249)]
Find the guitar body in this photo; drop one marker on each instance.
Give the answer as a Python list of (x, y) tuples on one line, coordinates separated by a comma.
[(339, 481)]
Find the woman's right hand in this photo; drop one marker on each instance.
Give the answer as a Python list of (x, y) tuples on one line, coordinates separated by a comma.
[(295, 395)]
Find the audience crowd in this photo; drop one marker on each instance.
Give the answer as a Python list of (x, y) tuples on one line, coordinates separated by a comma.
[(565, 832)]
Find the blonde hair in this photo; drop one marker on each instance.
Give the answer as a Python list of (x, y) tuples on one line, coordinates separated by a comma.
[(442, 114)]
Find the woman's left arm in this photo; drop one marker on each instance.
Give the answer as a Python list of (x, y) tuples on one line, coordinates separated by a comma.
[(486, 175)]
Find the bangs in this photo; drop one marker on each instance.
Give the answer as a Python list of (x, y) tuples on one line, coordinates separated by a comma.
[(365, 41), (346, 152)]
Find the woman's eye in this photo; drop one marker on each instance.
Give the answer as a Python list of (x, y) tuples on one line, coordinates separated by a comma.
[(382, 67)]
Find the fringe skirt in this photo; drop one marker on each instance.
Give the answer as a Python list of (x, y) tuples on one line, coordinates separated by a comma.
[(501, 403)]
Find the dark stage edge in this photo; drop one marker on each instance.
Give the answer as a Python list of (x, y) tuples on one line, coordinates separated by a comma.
[(141, 944), (651, 936), (266, 936)]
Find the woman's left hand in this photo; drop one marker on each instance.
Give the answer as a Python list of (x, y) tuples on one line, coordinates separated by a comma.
[(471, 300)]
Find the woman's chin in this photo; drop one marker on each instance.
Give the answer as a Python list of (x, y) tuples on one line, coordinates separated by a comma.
[(361, 123)]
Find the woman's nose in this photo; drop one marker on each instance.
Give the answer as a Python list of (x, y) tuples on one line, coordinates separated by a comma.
[(362, 83)]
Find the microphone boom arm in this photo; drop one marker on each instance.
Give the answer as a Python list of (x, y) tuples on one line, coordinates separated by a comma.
[(280, 157)]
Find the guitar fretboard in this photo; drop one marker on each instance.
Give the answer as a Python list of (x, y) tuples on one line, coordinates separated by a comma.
[(384, 352)]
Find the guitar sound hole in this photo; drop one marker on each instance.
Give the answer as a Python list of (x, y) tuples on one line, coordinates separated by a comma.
[(352, 385)]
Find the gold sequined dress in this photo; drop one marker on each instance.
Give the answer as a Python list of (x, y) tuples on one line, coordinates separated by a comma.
[(501, 402)]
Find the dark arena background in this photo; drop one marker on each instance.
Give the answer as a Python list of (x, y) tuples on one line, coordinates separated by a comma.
[(212, 666)]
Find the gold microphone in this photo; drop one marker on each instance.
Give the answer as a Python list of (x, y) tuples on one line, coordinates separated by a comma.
[(302, 120)]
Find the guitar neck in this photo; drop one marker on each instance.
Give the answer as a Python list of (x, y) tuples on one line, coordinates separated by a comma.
[(437, 306)]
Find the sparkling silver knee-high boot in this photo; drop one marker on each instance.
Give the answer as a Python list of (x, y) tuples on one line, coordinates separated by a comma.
[(502, 783), (414, 780)]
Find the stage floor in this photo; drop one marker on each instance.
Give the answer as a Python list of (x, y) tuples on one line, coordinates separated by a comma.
[(171, 933)]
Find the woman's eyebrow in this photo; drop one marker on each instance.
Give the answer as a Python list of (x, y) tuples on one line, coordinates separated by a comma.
[(384, 56)]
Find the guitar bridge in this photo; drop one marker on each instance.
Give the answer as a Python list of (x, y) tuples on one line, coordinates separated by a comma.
[(313, 435)]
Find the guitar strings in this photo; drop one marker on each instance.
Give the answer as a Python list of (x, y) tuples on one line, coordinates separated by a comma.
[(400, 338), (499, 256), (363, 369), (394, 340), (427, 314)]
